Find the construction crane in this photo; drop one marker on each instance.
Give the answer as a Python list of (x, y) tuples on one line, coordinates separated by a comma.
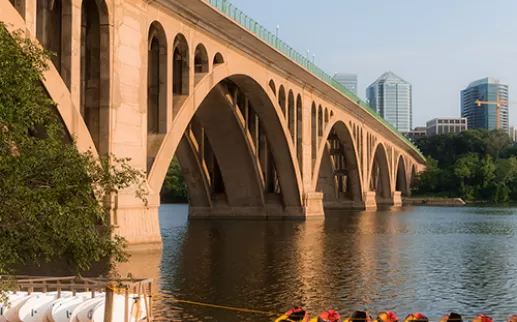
[(498, 104)]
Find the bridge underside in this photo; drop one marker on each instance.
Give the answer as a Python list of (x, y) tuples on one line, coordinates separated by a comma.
[(255, 139)]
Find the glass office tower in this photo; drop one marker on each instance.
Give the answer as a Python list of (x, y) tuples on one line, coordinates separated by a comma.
[(349, 81), (485, 116), (391, 97)]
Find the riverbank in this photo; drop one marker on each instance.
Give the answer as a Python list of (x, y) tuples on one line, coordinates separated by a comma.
[(433, 202)]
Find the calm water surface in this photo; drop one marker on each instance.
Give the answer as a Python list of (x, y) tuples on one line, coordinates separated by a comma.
[(425, 259)]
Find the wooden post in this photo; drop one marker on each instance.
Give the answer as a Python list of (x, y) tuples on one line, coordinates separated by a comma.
[(126, 305), (108, 308), (150, 299)]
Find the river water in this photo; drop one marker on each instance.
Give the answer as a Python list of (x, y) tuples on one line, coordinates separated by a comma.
[(433, 260)]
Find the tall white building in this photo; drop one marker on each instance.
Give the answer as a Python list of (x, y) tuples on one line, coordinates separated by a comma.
[(349, 81), (391, 97)]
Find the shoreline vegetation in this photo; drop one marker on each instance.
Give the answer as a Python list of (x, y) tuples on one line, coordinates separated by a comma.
[(478, 166)]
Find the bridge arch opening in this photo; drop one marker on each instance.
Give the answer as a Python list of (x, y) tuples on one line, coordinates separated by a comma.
[(231, 155), (281, 99), (314, 133), (95, 72), (401, 178), (291, 116), (19, 5), (299, 109), (49, 28), (200, 62), (380, 176), (156, 91), (337, 170), (272, 86), (180, 71), (218, 59), (320, 121), (326, 117)]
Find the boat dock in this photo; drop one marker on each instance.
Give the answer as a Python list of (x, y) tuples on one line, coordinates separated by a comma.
[(69, 298)]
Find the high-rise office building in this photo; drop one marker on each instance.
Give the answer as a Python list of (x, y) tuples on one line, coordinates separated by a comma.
[(484, 116), (349, 81), (391, 97)]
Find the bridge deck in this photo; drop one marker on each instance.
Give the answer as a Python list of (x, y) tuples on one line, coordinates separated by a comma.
[(265, 46)]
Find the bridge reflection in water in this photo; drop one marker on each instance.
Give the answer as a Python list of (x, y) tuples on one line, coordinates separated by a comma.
[(433, 260)]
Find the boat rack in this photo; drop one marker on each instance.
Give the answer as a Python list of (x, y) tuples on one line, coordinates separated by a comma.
[(74, 284)]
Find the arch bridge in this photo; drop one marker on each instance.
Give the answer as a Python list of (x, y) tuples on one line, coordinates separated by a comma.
[(258, 130)]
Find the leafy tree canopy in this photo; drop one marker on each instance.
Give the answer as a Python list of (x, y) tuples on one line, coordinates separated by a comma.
[(477, 165), (49, 191)]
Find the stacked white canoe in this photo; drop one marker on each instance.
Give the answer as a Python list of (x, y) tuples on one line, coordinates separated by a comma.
[(81, 307)]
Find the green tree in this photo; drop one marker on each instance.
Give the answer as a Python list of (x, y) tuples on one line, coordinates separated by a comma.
[(498, 140), (49, 192), (464, 170), (476, 165), (174, 188)]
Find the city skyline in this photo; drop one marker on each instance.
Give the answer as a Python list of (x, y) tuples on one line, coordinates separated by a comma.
[(438, 54)]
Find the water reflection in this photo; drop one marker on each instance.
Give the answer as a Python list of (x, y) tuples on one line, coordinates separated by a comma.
[(421, 259)]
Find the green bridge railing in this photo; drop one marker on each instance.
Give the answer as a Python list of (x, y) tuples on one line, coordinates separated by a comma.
[(236, 14)]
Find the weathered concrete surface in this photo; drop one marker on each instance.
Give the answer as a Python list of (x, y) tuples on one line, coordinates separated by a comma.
[(257, 134)]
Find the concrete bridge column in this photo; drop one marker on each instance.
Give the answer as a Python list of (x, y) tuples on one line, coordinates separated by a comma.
[(136, 222), (313, 201)]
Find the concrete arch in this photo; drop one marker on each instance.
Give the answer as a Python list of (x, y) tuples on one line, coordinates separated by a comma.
[(299, 124), (379, 176), (180, 68), (345, 136), (401, 178), (320, 121), (218, 59), (282, 100), (266, 108), (291, 115), (55, 86), (201, 64), (49, 27), (157, 79), (272, 86), (314, 133), (95, 71)]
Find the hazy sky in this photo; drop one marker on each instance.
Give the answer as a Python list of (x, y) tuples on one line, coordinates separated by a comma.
[(439, 46)]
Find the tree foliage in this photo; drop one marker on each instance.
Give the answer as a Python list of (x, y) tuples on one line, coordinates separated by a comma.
[(475, 165), (50, 194), (174, 188)]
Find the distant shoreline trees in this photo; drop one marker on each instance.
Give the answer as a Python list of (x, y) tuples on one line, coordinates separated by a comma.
[(476, 165), (174, 188)]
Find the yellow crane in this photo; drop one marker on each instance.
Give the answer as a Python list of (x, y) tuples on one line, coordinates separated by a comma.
[(498, 104)]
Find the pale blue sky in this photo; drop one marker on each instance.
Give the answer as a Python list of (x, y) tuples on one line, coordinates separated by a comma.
[(439, 46)]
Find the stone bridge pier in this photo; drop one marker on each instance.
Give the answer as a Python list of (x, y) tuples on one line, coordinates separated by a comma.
[(258, 131)]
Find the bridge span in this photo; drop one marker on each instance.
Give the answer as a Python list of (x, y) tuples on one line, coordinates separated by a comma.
[(259, 130)]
